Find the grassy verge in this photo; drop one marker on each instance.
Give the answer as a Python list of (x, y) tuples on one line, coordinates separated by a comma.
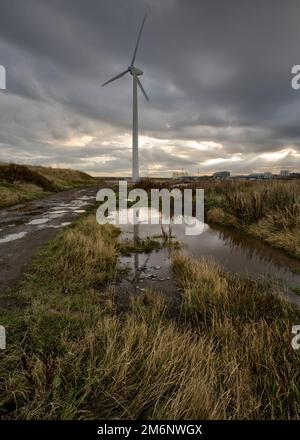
[(251, 366), (12, 193), (20, 183), (70, 353), (269, 211)]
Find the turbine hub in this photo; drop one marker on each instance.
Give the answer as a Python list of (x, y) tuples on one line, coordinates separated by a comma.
[(135, 70)]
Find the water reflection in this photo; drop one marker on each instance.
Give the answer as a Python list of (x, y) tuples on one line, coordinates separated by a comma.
[(136, 240), (238, 253), (255, 249)]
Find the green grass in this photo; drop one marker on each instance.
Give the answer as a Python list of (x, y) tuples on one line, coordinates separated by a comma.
[(140, 246), (71, 354), (296, 290), (11, 194)]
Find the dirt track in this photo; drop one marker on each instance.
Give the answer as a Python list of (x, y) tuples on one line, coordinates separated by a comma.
[(25, 227)]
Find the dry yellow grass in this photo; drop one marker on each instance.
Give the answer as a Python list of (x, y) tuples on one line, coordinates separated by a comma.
[(71, 354), (249, 326), (13, 194), (63, 177)]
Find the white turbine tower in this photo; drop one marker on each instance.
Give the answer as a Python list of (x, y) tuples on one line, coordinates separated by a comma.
[(135, 72)]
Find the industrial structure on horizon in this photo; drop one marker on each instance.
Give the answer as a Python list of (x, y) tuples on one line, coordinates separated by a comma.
[(223, 175)]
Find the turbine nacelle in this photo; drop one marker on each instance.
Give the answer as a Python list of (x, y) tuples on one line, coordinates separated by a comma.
[(135, 71)]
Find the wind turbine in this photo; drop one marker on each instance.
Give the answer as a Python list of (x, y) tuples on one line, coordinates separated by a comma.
[(135, 72)]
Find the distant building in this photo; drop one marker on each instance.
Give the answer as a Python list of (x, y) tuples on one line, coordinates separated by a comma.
[(284, 173), (221, 175), (295, 175), (187, 178), (268, 175), (256, 176), (179, 174)]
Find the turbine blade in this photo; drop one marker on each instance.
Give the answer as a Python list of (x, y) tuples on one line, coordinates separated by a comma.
[(141, 87), (138, 40), (115, 77)]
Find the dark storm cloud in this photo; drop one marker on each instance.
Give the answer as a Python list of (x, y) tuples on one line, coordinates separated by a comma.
[(217, 73)]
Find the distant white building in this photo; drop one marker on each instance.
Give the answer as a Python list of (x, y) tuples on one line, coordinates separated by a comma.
[(268, 175), (284, 173)]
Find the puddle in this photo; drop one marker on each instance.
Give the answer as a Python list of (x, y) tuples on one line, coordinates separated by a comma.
[(55, 215), (32, 224), (38, 221), (43, 215), (61, 225), (58, 211), (61, 206), (238, 253), (87, 197), (47, 226), (12, 237)]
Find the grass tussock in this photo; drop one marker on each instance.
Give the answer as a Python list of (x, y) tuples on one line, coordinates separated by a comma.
[(72, 355), (147, 245), (85, 254)]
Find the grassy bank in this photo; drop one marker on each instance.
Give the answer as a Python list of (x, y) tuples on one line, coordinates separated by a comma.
[(251, 367), (20, 183), (269, 211), (72, 354)]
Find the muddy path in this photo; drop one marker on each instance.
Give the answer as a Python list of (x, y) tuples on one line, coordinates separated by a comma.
[(24, 228)]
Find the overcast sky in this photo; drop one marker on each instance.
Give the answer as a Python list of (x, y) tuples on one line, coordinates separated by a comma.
[(218, 74)]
